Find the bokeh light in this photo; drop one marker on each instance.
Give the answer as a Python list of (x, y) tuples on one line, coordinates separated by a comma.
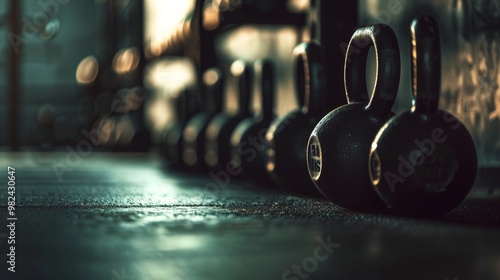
[(126, 60), (87, 70)]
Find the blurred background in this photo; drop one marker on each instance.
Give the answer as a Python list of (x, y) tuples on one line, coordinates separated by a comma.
[(113, 68), (113, 76)]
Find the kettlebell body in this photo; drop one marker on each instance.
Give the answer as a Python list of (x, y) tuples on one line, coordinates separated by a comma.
[(343, 166), (423, 162), (288, 135), (248, 140), (172, 149), (287, 139), (218, 133), (195, 130), (220, 128), (339, 146)]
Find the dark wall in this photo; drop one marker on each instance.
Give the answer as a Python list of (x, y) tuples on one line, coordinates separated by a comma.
[(470, 48), (47, 66)]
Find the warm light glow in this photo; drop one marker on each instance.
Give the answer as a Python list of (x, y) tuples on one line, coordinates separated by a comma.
[(245, 43), (189, 156), (226, 5), (210, 18), (210, 77), (190, 134), (163, 18), (372, 7), (237, 68), (186, 29), (87, 70), (179, 34), (157, 45), (212, 131), (106, 127), (124, 132), (158, 115), (126, 60), (496, 113), (270, 166), (298, 6), (270, 153), (250, 42), (165, 79), (170, 74)]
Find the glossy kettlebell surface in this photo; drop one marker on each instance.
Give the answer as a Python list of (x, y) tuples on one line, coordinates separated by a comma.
[(423, 162), (339, 146), (287, 137)]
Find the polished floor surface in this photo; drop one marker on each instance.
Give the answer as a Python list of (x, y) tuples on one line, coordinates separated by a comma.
[(124, 217)]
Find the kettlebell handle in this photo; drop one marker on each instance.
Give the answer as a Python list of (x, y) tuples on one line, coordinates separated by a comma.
[(181, 106), (388, 65), (213, 81), (310, 77), (426, 64), (243, 75), (264, 71)]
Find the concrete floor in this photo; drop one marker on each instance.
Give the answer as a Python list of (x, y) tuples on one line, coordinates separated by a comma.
[(123, 217)]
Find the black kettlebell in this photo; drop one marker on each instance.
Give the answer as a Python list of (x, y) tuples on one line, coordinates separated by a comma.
[(423, 161), (185, 107), (248, 140), (338, 148), (218, 133), (194, 133), (287, 137)]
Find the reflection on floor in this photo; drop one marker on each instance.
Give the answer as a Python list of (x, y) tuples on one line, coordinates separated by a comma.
[(121, 217)]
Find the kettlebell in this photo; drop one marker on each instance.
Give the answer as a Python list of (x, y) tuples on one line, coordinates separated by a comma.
[(339, 146), (248, 140), (423, 162), (287, 137), (218, 133), (185, 107), (194, 133)]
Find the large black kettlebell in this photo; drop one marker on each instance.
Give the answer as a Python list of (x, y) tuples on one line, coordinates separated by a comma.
[(287, 137), (248, 140), (424, 162), (194, 133), (338, 148), (185, 107), (220, 128)]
